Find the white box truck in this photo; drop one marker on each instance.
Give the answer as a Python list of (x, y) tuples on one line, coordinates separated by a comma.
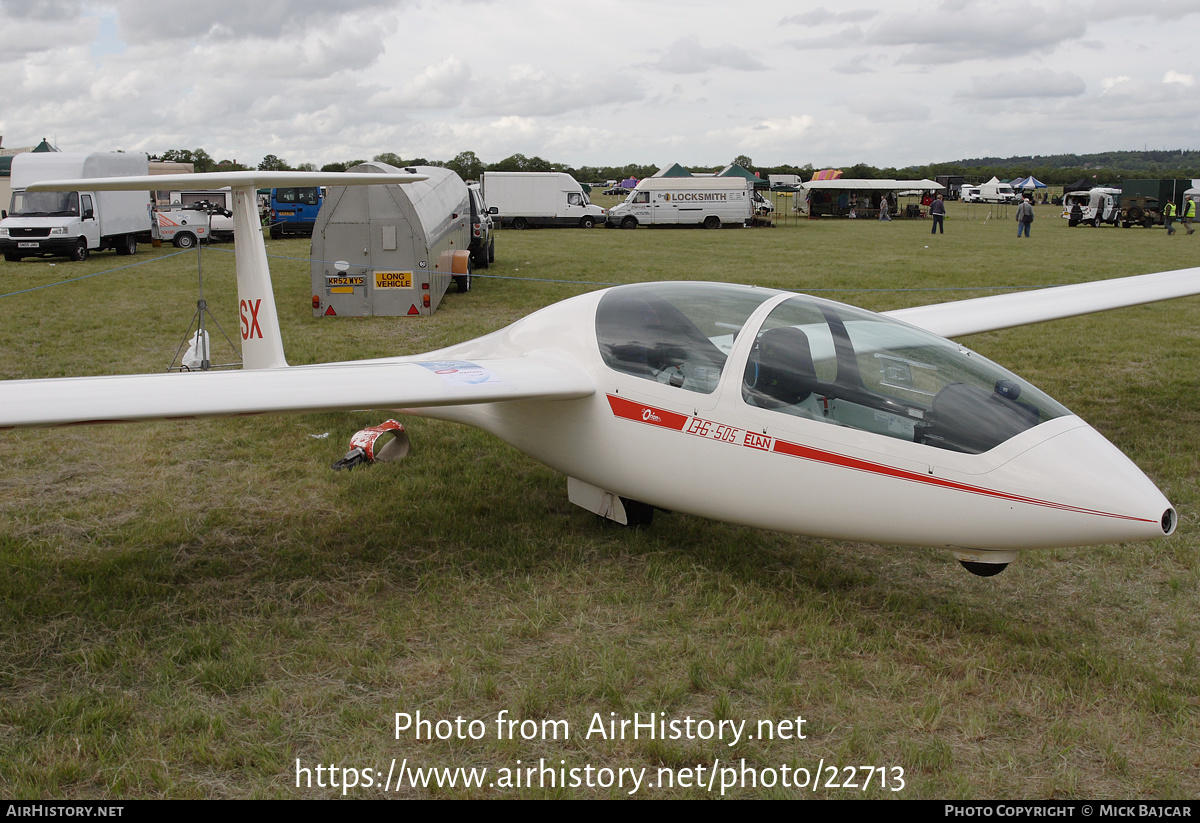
[(538, 198), (74, 223), (711, 202)]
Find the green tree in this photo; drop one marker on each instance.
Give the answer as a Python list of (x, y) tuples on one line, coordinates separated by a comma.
[(744, 161), (273, 163), (466, 165)]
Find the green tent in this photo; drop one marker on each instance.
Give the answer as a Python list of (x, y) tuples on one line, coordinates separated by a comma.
[(673, 170), (734, 170)]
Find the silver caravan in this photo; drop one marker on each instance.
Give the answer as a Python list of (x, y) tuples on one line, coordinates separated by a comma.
[(392, 249), (710, 202)]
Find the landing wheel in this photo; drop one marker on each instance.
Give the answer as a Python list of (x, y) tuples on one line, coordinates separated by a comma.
[(983, 569), (984, 562), (639, 515)]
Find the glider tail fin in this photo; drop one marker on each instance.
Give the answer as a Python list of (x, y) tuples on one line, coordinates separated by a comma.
[(262, 345)]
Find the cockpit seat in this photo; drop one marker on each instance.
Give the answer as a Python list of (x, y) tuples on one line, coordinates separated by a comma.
[(780, 370)]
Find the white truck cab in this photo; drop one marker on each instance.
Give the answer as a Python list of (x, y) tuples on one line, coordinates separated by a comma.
[(74, 223)]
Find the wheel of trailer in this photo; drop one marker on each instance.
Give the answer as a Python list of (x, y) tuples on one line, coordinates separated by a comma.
[(127, 245), (81, 251), (185, 240), (629, 223), (463, 281), (519, 223), (712, 222), (587, 222)]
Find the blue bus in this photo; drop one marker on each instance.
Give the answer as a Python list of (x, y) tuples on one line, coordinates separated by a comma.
[(294, 210)]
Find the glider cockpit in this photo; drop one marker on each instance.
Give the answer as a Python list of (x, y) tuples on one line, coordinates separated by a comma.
[(819, 360)]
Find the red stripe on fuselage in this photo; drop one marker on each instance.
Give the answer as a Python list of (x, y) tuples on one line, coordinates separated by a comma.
[(650, 415)]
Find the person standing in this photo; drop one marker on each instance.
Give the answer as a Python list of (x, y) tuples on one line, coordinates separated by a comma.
[(938, 209), (1024, 217), (883, 208), (1169, 218), (1189, 213)]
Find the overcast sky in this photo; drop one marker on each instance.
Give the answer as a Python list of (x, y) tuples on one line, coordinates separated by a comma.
[(612, 82)]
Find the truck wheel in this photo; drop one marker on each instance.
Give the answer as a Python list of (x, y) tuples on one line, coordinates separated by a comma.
[(11, 257), (1096, 221), (519, 223), (276, 233), (712, 222), (587, 222), (127, 245), (185, 240), (629, 223), (81, 251)]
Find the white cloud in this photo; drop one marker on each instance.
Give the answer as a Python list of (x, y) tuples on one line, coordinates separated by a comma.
[(1188, 80), (1024, 83), (687, 56)]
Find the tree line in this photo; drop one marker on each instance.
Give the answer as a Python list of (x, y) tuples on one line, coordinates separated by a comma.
[(1053, 170)]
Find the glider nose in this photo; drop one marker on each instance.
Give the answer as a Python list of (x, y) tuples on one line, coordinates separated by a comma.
[(1107, 498)]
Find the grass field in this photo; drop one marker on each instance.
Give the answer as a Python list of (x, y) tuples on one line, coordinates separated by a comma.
[(188, 609)]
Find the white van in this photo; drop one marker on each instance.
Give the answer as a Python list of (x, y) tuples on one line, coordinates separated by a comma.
[(521, 199), (74, 223), (711, 202)]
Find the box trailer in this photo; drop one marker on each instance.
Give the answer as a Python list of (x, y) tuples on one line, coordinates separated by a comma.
[(521, 199), (218, 203), (74, 223), (391, 250), (711, 202)]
